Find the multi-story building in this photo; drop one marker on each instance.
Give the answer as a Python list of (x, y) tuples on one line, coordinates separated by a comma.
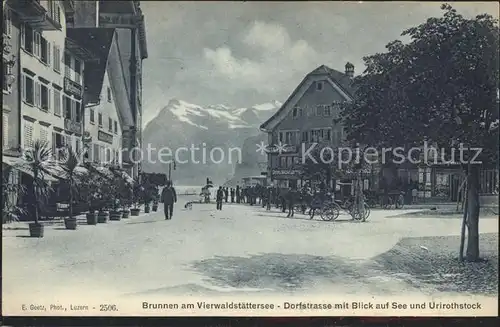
[(125, 64), (102, 118), (11, 132), (11, 135), (309, 115)]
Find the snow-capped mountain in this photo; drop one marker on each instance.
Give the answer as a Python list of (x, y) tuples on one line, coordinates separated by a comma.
[(182, 124), (202, 117)]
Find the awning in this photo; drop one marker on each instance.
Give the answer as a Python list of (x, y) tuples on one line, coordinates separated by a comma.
[(60, 173), (105, 172), (19, 164)]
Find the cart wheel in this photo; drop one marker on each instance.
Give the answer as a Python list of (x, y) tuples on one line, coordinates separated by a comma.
[(366, 213), (329, 213)]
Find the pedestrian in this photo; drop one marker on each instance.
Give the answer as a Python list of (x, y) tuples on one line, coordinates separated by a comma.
[(238, 194), (232, 195), (169, 197), (414, 193), (282, 196), (226, 194), (290, 201), (219, 197), (269, 198)]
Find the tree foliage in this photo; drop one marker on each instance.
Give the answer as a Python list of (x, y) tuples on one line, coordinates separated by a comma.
[(441, 86)]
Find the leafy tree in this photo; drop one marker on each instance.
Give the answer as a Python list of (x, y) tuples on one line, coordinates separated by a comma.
[(440, 87)]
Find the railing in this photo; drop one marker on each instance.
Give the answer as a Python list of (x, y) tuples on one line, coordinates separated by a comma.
[(72, 126), (72, 87)]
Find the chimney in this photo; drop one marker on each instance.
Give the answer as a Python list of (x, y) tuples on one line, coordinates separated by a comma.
[(349, 69)]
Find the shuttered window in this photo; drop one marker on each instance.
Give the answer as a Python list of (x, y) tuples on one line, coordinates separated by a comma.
[(57, 102), (5, 130), (28, 134), (44, 134)]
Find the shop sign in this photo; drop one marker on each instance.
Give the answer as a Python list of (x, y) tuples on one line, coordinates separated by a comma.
[(286, 172), (105, 137), (72, 88), (281, 149), (119, 20)]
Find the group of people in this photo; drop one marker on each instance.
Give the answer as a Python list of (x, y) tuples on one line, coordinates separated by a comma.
[(284, 198)]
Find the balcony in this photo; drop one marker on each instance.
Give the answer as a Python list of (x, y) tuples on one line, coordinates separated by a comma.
[(73, 88), (33, 13), (72, 126), (283, 148)]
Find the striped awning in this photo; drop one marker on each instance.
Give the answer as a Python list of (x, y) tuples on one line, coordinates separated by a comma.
[(19, 164)]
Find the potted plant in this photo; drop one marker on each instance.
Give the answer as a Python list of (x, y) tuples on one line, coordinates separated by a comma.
[(10, 193), (104, 197), (126, 199), (69, 165), (137, 191), (156, 198), (38, 160), (89, 193), (115, 212)]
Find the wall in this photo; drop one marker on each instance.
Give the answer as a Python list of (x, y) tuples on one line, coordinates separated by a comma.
[(108, 110), (34, 64), (310, 100), (86, 13), (10, 100)]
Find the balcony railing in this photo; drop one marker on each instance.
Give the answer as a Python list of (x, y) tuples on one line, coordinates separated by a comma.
[(33, 13), (72, 126), (72, 87)]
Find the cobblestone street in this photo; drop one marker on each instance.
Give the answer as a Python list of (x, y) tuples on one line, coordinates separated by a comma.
[(244, 249)]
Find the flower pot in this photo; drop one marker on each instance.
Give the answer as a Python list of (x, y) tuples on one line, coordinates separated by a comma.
[(115, 215), (155, 207), (91, 218), (135, 212), (147, 208), (125, 213), (36, 230), (70, 223), (102, 217)]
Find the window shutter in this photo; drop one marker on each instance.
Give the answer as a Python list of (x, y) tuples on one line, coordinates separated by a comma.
[(54, 143), (37, 94), (5, 130), (49, 99), (49, 45), (23, 87), (23, 37)]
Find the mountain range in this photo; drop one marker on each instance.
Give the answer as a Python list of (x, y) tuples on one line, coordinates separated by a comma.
[(183, 124)]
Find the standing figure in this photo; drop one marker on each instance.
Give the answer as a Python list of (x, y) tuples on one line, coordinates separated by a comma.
[(169, 197), (219, 197), (290, 197), (283, 197), (226, 194), (269, 198)]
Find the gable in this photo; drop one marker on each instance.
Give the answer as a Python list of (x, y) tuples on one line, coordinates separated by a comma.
[(298, 94)]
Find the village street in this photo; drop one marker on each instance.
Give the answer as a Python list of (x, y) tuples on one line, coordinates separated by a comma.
[(241, 249)]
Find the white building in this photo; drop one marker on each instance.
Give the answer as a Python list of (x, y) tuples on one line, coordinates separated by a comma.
[(42, 71), (103, 119)]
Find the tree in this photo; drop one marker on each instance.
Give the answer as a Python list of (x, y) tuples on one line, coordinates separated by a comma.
[(440, 87), (71, 161), (39, 161)]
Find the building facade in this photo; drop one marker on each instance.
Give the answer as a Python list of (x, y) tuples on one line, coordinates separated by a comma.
[(103, 96), (310, 115), (11, 136), (126, 18)]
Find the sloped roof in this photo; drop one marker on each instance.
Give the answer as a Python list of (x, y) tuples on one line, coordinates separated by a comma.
[(97, 40), (343, 81)]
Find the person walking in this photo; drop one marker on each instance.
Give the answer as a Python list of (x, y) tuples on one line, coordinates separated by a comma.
[(290, 197), (238, 194), (219, 197), (169, 197), (226, 194), (269, 196), (232, 195)]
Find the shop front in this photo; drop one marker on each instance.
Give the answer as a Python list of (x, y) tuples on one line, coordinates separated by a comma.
[(284, 178)]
